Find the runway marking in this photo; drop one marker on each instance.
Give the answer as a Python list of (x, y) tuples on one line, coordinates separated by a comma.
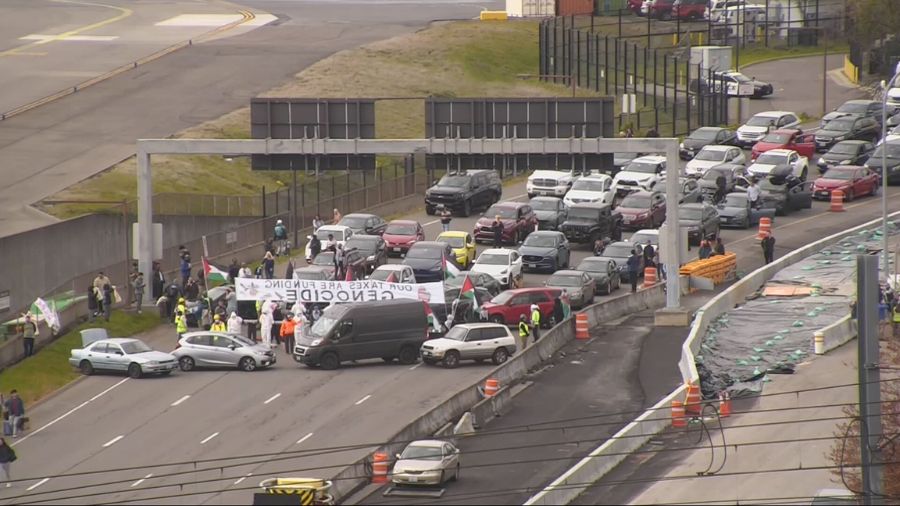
[(364, 399), (191, 20), (413, 368), (209, 438), (43, 39), (179, 401), (239, 480), (141, 480), (67, 413), (38, 484), (112, 441), (270, 399), (304, 438)]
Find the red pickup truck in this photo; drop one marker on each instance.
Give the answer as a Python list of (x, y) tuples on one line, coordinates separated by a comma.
[(794, 139)]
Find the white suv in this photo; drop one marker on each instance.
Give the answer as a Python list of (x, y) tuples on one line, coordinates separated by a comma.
[(594, 189), (713, 155), (470, 341), (502, 264), (761, 123), (642, 173), (549, 183), (775, 160)]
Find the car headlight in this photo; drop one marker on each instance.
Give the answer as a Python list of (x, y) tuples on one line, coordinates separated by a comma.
[(681, 145), (370, 258), (153, 362), (504, 272), (838, 138), (316, 342)]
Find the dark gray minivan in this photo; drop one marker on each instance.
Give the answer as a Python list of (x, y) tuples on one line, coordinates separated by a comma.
[(386, 329)]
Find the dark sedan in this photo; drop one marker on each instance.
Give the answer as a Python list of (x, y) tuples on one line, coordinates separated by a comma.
[(605, 272), (890, 150), (550, 212), (709, 182), (642, 210), (845, 129), (362, 223), (426, 259), (546, 250), (620, 251), (705, 136), (700, 220), (314, 273), (372, 248), (481, 280), (845, 153)]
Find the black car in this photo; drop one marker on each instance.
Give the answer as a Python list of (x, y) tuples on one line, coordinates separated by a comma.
[(426, 259), (857, 108), (706, 136), (354, 259), (783, 194), (605, 272), (463, 192), (700, 220), (362, 223), (550, 212), (545, 250), (481, 280), (588, 222), (892, 151), (845, 129), (619, 252), (372, 248), (845, 153)]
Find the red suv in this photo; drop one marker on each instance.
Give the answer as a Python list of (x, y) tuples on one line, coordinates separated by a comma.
[(518, 221), (689, 9), (508, 306), (787, 138)]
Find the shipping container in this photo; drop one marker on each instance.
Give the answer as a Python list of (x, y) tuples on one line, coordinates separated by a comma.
[(530, 8), (575, 8)]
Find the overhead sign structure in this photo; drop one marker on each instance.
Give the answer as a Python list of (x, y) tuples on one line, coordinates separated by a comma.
[(303, 290)]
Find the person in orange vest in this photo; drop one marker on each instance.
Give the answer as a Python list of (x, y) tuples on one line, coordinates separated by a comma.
[(287, 332)]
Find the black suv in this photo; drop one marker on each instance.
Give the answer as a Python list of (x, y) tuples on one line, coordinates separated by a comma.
[(847, 128), (461, 193), (586, 223)]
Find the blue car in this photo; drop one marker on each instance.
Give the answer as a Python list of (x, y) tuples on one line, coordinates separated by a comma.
[(425, 258)]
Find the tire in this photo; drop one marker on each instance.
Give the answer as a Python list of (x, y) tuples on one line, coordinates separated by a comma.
[(186, 364), (247, 364), (497, 319), (804, 175), (134, 371), (388, 360), (455, 474), (86, 368), (467, 208), (451, 359), (329, 361), (500, 356), (850, 196), (429, 211), (408, 355), (608, 290)]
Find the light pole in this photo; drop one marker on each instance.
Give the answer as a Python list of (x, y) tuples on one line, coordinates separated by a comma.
[(884, 174)]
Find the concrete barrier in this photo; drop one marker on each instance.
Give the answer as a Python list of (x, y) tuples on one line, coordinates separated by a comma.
[(839, 333), (351, 478)]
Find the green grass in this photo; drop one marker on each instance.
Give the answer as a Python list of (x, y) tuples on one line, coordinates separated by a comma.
[(763, 54), (49, 370)]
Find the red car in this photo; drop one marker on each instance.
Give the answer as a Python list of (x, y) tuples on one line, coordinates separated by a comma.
[(518, 221), (643, 210), (635, 6), (851, 179), (790, 138), (661, 9), (689, 9), (400, 235), (508, 306)]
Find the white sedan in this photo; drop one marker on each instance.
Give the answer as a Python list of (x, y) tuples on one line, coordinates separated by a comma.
[(340, 233), (426, 462), (713, 155), (130, 356), (504, 265)]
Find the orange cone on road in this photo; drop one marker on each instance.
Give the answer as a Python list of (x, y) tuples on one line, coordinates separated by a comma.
[(837, 201), (379, 467), (649, 276), (724, 405), (491, 386), (582, 329), (678, 420), (765, 227), (693, 404)]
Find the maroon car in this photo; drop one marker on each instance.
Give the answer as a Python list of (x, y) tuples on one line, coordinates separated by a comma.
[(643, 210), (689, 9), (400, 235), (518, 221)]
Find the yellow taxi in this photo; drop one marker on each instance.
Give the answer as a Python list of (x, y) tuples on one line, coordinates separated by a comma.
[(463, 246)]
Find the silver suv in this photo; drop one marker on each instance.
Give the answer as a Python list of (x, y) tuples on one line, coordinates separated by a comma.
[(470, 341)]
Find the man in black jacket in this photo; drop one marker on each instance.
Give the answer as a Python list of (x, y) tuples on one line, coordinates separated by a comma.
[(497, 228), (768, 247)]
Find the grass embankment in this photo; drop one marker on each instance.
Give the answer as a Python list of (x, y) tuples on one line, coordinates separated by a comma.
[(49, 370), (457, 59)]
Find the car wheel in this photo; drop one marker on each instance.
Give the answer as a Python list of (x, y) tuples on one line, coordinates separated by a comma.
[(442, 478), (804, 175), (247, 364), (497, 319), (86, 368), (467, 208), (134, 371), (500, 355), (408, 355), (451, 359), (849, 196), (455, 474), (608, 289), (429, 210), (617, 233), (387, 360), (186, 363), (329, 361)]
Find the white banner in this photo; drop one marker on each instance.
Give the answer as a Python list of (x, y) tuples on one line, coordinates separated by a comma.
[(293, 290), (50, 316)]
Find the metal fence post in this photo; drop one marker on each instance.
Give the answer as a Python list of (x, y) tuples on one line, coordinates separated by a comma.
[(655, 78), (264, 201), (596, 62), (625, 70), (634, 68), (675, 99), (577, 57), (665, 82), (646, 54), (587, 57), (606, 63), (687, 94), (616, 67)]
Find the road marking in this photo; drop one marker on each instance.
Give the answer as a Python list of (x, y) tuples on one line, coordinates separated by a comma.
[(67, 413), (413, 368), (211, 20), (141, 480), (112, 441), (179, 401), (364, 399), (270, 399), (239, 480), (43, 39), (209, 438), (38, 484), (304, 438)]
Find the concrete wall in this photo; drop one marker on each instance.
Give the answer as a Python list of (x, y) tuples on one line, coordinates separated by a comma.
[(839, 333)]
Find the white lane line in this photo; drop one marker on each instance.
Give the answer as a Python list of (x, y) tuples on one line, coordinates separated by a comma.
[(179, 401), (270, 399), (304, 438), (364, 399), (413, 368), (112, 441), (67, 413), (239, 480), (38, 484), (141, 480), (209, 438)]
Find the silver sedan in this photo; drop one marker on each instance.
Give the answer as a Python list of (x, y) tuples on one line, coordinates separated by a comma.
[(426, 462), (218, 349)]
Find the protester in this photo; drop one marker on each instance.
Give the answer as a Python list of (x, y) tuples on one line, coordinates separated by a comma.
[(29, 331), (768, 247), (315, 246), (286, 333), (446, 216), (245, 272), (649, 254), (336, 216), (524, 330), (235, 324), (159, 281), (7, 457), (535, 322), (289, 269), (339, 263), (138, 286), (218, 325), (266, 321), (269, 265), (753, 194), (14, 408), (599, 246), (185, 268), (705, 250), (107, 301), (497, 228), (93, 304), (234, 270), (634, 266), (317, 223), (191, 289), (280, 235), (180, 324), (559, 314), (719, 249), (101, 280), (330, 244)]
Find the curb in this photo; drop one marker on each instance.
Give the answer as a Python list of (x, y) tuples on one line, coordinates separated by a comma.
[(789, 57)]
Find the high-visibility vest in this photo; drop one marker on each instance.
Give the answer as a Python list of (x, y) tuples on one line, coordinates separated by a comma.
[(218, 326), (181, 324), (182, 308), (536, 317), (523, 329), (896, 315)]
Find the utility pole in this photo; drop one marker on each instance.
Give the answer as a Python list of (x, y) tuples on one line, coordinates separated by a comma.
[(870, 432)]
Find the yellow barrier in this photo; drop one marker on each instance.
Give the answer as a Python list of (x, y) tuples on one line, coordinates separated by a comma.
[(493, 16), (851, 70), (717, 268), (308, 490)]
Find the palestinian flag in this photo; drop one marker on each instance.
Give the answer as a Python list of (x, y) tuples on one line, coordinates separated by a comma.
[(468, 292), (214, 276), (432, 321), (349, 276), (391, 278), (450, 270)]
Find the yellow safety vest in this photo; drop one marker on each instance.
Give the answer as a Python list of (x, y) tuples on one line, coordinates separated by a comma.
[(896, 315), (217, 327), (182, 308), (523, 329), (536, 317), (181, 324)]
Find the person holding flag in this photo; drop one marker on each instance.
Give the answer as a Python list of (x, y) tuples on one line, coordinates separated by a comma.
[(467, 292), (213, 275), (449, 268), (434, 327)]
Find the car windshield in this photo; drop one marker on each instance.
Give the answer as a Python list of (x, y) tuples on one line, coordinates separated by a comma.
[(310, 274), (400, 229), (135, 347), (413, 452), (713, 174), (772, 159), (367, 244), (840, 124), (564, 280), (642, 167), (853, 108), (588, 185), (893, 151), (617, 250), (710, 155), (584, 213), (761, 121), (493, 259), (636, 201), (704, 134), (456, 334), (596, 264), (540, 241), (322, 326), (454, 242), (690, 213), (735, 200), (323, 234), (842, 174), (544, 205), (324, 258), (383, 274), (843, 148), (454, 181), (419, 251), (741, 78), (504, 212), (776, 138), (354, 221)]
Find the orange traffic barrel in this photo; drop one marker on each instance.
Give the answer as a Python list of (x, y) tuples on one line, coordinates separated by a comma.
[(692, 405), (765, 227), (649, 276), (678, 420), (582, 330), (837, 201), (379, 467), (724, 405), (491, 386)]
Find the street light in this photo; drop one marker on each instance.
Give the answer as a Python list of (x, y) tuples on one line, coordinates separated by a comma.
[(885, 86)]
